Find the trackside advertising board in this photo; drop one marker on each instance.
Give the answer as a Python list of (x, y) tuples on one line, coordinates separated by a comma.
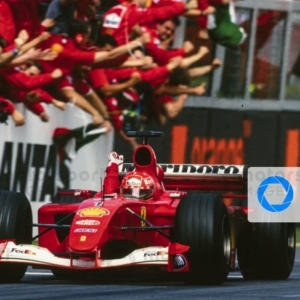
[(214, 136), (39, 158)]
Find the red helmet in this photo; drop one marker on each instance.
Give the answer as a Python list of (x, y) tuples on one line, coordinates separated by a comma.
[(137, 185)]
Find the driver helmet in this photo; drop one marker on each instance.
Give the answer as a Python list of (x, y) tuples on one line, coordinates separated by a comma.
[(137, 185)]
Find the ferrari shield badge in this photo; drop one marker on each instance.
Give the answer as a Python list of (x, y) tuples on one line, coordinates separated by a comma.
[(143, 215)]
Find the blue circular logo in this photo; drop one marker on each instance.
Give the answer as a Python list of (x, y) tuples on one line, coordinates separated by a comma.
[(275, 207)]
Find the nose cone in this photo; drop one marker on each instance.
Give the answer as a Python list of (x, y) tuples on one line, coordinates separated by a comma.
[(87, 227)]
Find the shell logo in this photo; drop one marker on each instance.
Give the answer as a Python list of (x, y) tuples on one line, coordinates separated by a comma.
[(93, 212)]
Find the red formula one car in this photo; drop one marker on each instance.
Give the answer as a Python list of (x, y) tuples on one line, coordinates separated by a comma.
[(189, 220)]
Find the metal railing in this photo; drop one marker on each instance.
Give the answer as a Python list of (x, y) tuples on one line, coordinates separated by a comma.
[(236, 84)]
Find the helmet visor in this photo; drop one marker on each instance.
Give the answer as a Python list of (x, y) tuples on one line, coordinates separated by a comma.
[(137, 193)]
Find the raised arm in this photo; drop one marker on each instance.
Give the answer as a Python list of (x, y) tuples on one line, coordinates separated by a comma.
[(180, 89), (21, 50), (19, 42), (121, 50)]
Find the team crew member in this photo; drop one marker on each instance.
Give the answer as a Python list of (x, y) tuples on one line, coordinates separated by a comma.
[(69, 56), (7, 108), (99, 78), (120, 19), (25, 86), (62, 12), (7, 28), (86, 10), (164, 30), (17, 53)]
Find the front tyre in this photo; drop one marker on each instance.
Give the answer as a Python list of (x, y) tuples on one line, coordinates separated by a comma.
[(202, 222), (15, 223)]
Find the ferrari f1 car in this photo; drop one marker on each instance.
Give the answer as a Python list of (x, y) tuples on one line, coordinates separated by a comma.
[(186, 219)]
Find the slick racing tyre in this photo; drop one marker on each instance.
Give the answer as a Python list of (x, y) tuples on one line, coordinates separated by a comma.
[(267, 250), (201, 222), (15, 223)]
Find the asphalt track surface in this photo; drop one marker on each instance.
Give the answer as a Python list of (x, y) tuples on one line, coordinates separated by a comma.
[(41, 284)]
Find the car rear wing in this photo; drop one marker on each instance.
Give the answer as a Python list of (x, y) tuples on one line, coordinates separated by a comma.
[(200, 177)]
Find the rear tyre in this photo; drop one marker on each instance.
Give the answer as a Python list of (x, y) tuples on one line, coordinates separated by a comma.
[(15, 223), (201, 222), (267, 251)]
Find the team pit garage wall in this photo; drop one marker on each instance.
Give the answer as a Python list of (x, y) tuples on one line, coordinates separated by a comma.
[(210, 136)]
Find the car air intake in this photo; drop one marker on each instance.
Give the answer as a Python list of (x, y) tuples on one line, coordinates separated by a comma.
[(143, 156)]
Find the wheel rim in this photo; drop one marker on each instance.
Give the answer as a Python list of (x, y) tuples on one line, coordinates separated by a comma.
[(226, 239), (291, 242)]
